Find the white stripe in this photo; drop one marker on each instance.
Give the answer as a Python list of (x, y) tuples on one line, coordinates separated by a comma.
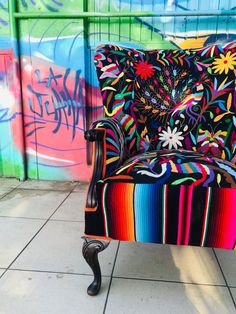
[(32, 152), (208, 206), (154, 175)]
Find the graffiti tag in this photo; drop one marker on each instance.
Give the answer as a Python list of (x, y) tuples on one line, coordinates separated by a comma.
[(58, 97)]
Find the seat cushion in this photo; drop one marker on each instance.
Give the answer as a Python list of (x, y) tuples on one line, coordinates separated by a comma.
[(167, 214), (176, 167)]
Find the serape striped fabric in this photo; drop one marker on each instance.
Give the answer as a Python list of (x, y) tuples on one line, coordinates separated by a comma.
[(167, 214)]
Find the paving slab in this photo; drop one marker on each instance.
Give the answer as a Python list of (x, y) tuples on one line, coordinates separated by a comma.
[(168, 262), (49, 185), (15, 233), (7, 185), (33, 292), (227, 260), (58, 248), (81, 187), (233, 291), (139, 296), (31, 203), (2, 271), (73, 208)]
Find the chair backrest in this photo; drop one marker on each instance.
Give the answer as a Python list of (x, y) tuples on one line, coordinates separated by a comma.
[(171, 99)]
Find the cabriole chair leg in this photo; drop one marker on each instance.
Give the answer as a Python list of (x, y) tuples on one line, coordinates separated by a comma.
[(91, 248)]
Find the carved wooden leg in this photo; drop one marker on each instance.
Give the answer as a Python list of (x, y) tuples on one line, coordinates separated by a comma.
[(91, 248)]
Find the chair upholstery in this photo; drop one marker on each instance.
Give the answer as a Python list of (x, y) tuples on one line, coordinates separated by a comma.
[(167, 147)]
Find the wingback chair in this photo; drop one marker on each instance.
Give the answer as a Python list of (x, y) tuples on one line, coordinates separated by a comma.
[(164, 154)]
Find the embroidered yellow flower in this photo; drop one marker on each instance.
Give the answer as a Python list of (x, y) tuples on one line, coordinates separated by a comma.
[(224, 63)]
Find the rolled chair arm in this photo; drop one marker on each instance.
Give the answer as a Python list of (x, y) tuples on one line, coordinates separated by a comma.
[(109, 152)]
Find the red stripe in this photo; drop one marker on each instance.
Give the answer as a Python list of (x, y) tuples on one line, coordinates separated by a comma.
[(189, 196), (126, 121), (181, 214), (222, 225), (120, 211), (165, 209), (111, 147), (204, 175)]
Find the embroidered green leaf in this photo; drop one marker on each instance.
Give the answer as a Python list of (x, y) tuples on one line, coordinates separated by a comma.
[(209, 70), (179, 181), (171, 121), (115, 52)]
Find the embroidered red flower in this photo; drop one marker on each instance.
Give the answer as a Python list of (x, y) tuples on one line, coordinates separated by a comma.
[(144, 69)]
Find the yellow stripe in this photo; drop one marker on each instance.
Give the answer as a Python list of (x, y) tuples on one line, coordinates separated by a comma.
[(113, 111), (173, 167), (125, 167), (111, 160)]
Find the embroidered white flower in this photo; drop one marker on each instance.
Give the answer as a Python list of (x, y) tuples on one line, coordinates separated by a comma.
[(172, 138)]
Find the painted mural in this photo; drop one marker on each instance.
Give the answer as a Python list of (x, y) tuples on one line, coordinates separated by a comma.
[(42, 124)]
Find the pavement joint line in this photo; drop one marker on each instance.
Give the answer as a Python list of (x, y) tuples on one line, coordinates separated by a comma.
[(45, 190), (224, 278), (34, 236), (111, 277), (7, 193), (116, 277), (170, 281), (66, 220), (53, 272), (50, 190), (77, 183), (80, 185), (44, 219), (29, 218)]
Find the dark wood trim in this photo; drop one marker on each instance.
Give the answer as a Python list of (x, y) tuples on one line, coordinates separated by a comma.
[(90, 250), (97, 136)]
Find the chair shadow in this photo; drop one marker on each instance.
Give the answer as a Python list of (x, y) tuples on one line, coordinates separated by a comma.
[(189, 271)]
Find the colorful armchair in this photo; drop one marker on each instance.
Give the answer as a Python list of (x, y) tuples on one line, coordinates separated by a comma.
[(164, 155)]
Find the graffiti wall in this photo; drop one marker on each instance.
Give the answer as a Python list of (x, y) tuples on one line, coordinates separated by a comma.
[(48, 89)]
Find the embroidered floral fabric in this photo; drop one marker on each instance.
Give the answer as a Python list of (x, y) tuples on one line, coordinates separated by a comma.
[(172, 99), (175, 168), (114, 143)]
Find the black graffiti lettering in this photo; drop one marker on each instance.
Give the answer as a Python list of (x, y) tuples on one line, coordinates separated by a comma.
[(66, 106)]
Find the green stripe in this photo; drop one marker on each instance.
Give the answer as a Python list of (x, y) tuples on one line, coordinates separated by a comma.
[(179, 181), (129, 124)]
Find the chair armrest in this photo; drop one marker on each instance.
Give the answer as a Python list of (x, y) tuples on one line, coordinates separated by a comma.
[(109, 152)]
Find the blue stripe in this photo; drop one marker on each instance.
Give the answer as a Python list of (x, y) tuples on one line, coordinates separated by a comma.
[(148, 212), (112, 142)]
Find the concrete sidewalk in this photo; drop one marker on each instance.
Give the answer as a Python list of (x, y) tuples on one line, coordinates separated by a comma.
[(42, 269)]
